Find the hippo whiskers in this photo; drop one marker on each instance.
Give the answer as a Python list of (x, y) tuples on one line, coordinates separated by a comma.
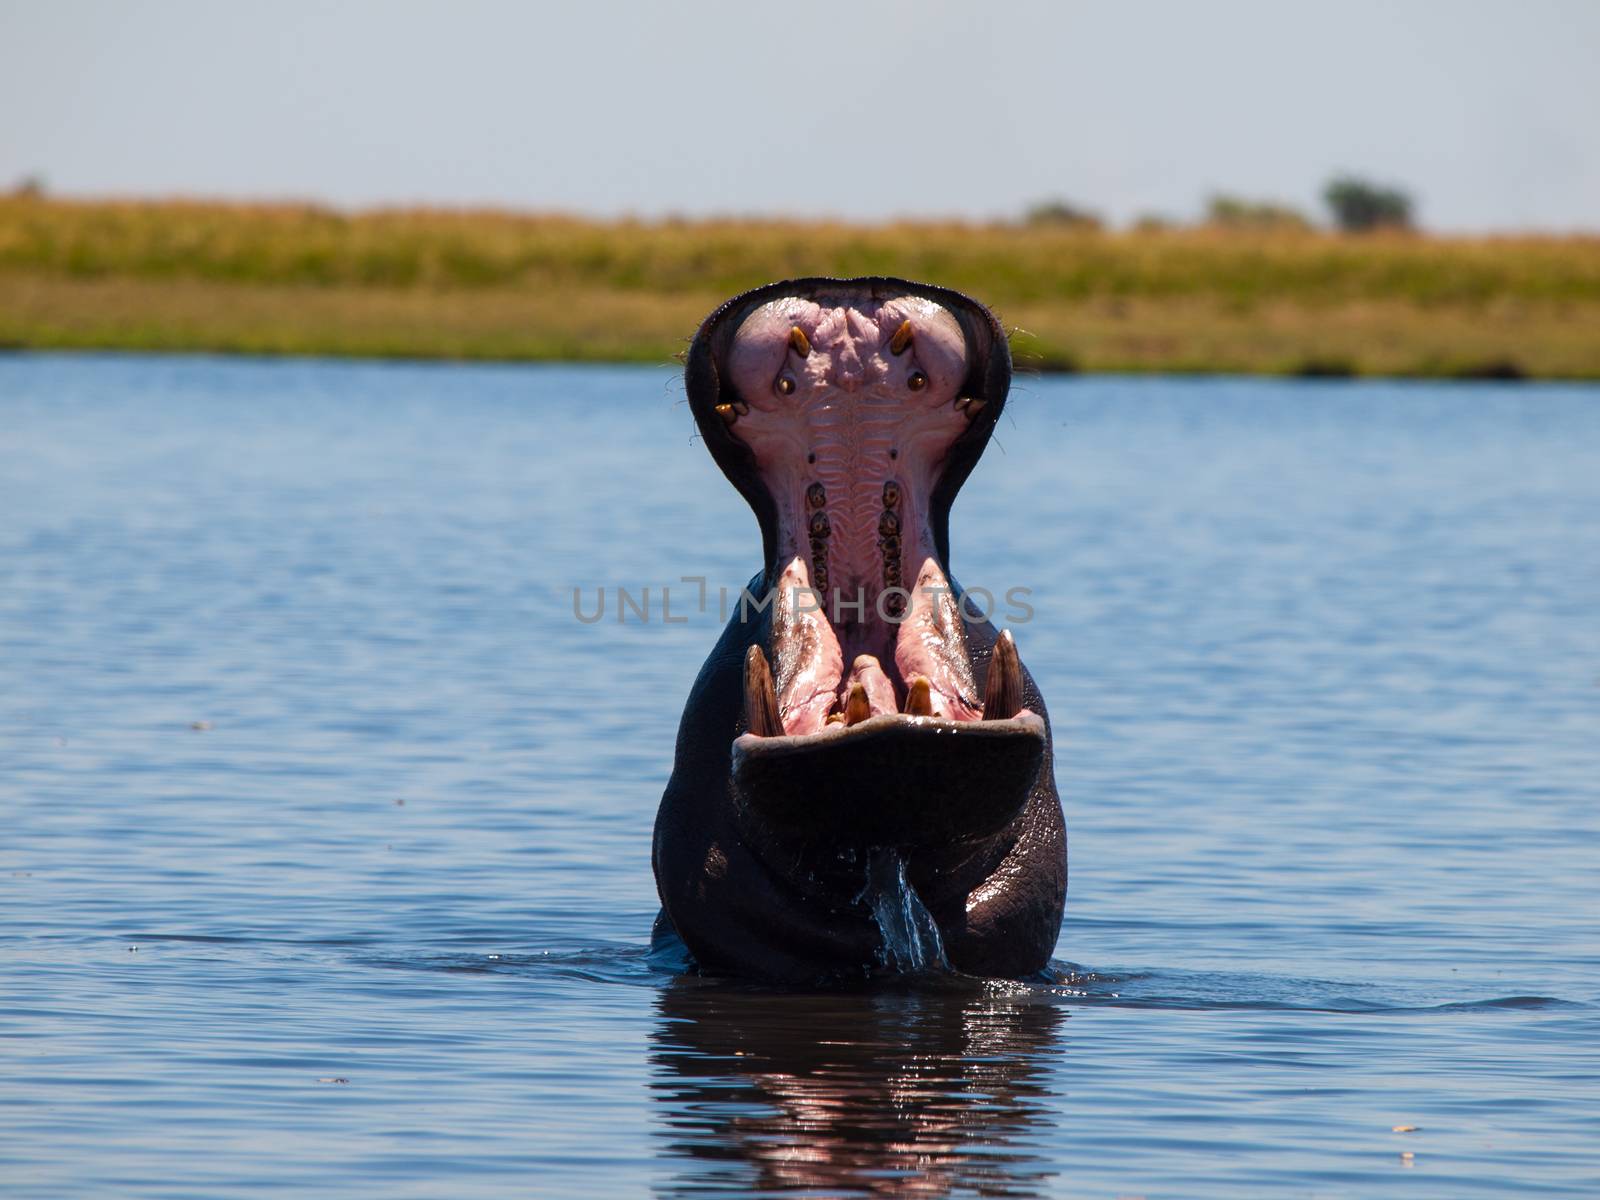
[(877, 732)]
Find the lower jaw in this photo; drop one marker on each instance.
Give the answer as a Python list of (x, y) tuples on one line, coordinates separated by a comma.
[(890, 780), (846, 653), (896, 746), (845, 659)]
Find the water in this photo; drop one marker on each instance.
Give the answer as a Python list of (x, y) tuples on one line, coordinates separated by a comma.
[(911, 941), (325, 862)]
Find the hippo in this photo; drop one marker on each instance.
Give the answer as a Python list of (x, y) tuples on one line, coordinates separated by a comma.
[(863, 780)]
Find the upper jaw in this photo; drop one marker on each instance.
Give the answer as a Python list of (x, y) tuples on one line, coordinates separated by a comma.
[(715, 396)]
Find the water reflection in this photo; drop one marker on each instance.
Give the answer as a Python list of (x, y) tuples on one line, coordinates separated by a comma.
[(905, 1092)]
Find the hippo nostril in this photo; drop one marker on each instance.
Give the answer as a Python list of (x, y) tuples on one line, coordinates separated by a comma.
[(784, 386), (916, 381)]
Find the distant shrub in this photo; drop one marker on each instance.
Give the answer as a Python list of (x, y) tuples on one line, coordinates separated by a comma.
[(1153, 223), (1061, 213), (29, 187), (1359, 206), (1325, 368), (1233, 212)]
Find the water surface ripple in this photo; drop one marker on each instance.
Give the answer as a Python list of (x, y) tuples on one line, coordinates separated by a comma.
[(326, 856)]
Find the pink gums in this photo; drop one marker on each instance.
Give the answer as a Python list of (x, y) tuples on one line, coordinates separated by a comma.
[(850, 439)]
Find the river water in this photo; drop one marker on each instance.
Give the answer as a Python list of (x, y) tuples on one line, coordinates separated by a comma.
[(325, 859)]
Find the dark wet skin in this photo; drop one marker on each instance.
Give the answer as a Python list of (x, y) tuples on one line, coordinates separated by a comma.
[(862, 712)]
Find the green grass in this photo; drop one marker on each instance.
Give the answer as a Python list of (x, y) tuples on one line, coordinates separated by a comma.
[(426, 283)]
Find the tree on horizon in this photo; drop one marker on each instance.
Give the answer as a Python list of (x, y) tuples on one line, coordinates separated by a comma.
[(1359, 206)]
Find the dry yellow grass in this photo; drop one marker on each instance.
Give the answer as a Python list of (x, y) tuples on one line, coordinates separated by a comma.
[(424, 283)]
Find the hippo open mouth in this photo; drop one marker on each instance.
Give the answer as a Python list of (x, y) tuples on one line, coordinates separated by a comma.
[(849, 403), (873, 704)]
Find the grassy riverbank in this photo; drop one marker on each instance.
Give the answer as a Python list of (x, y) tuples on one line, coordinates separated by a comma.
[(426, 283)]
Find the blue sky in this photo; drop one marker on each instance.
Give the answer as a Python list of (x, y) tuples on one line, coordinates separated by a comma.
[(1489, 112)]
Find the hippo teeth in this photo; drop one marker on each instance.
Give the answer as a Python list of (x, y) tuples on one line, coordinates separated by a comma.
[(1002, 699), (732, 412), (857, 708), (760, 696), (1002, 695)]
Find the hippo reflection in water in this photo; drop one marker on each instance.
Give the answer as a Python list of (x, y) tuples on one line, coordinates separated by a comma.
[(863, 780), (925, 1091)]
